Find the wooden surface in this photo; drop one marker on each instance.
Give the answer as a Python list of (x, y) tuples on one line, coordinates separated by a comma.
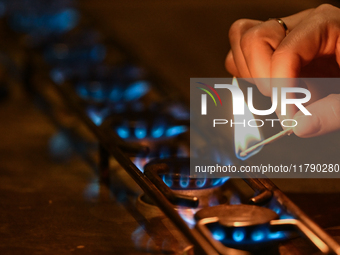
[(46, 206)]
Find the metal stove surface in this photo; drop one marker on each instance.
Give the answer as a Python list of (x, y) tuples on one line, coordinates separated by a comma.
[(56, 207)]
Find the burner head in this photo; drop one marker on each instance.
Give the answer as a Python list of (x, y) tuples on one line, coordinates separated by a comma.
[(42, 19), (172, 178), (238, 215), (175, 173), (146, 126), (111, 92), (246, 227)]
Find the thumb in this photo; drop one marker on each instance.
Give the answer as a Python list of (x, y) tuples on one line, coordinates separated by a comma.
[(325, 117)]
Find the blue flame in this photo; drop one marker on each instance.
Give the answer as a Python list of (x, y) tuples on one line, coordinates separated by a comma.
[(136, 90), (97, 116), (213, 201), (139, 164), (123, 132), (286, 217), (60, 22), (184, 182), (138, 234), (64, 21), (277, 209), (224, 179), (167, 180), (235, 200), (82, 91), (218, 234), (179, 112), (258, 235), (239, 235), (115, 94), (98, 120), (97, 91), (157, 130), (188, 216), (215, 181), (140, 131), (201, 182), (176, 130), (277, 235)]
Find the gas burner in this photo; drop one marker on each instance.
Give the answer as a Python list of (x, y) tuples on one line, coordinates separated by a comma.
[(82, 47), (172, 178), (176, 175), (152, 125), (41, 20), (104, 89), (248, 227), (157, 130), (114, 92)]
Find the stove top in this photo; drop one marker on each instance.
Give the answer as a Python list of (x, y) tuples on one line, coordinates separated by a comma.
[(130, 190)]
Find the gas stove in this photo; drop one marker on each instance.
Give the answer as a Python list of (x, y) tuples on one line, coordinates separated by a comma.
[(140, 128)]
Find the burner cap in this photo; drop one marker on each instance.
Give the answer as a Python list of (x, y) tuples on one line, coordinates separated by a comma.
[(238, 215)]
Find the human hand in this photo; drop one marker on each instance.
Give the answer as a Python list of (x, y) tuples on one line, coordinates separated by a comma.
[(311, 49)]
